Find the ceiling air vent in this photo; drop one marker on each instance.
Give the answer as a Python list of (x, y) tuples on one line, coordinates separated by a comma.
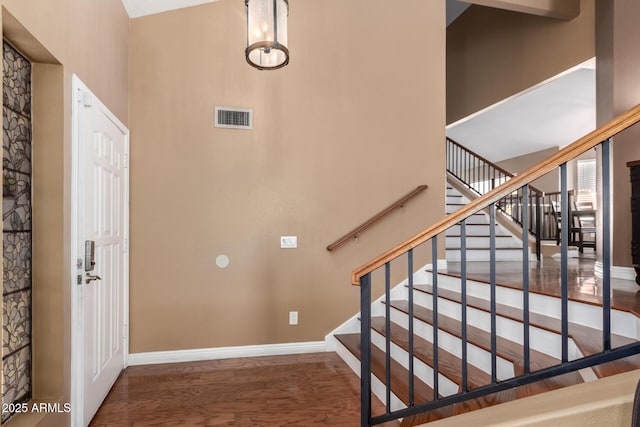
[(234, 118)]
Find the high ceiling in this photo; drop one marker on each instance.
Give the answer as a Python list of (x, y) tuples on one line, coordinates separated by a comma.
[(552, 114), (137, 8)]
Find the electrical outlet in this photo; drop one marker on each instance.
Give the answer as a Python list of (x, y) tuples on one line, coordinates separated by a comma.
[(293, 317), (288, 242)]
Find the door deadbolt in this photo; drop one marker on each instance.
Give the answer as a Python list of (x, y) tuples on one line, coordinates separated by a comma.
[(90, 278)]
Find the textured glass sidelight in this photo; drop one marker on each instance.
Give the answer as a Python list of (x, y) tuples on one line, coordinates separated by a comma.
[(267, 33), (16, 232)]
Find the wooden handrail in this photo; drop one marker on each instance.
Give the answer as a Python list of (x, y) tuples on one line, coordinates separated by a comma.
[(377, 217), (606, 131)]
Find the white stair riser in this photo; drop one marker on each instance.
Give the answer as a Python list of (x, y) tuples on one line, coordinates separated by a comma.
[(477, 220), (476, 230), (454, 200), (454, 255), (484, 242)]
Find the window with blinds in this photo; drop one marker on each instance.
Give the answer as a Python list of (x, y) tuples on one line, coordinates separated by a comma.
[(587, 181)]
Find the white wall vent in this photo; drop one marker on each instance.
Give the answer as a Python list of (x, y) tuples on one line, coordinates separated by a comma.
[(234, 118)]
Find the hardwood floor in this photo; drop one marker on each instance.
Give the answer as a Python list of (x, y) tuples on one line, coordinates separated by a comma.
[(320, 389), (299, 390)]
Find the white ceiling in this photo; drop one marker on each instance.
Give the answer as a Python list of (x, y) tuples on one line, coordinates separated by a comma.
[(553, 114), (137, 8)]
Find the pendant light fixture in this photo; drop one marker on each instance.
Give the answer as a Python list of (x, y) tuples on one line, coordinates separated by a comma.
[(267, 33)]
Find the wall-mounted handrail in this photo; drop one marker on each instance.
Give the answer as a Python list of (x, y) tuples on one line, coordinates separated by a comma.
[(377, 217), (587, 142)]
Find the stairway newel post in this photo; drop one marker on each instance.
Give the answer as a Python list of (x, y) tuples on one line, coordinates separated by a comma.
[(365, 345)]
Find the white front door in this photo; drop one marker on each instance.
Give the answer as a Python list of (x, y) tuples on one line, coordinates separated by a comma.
[(102, 221)]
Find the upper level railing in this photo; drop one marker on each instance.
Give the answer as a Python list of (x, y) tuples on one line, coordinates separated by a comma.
[(377, 217), (481, 176), (551, 215), (427, 241)]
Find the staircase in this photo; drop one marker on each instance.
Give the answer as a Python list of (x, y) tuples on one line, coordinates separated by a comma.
[(441, 343), (508, 246), (545, 338)]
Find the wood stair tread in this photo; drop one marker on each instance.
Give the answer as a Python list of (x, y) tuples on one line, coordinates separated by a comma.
[(449, 364), (399, 375), (505, 349), (588, 340)]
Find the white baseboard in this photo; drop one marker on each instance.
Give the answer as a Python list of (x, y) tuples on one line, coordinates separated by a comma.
[(157, 357), (626, 273)]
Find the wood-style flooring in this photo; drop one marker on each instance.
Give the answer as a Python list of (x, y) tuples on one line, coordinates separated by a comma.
[(298, 390), (320, 389), (544, 278)]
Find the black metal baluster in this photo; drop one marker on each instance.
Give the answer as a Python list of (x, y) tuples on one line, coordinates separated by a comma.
[(467, 167), (459, 162), (564, 272), (387, 332), (434, 258), (365, 347), (492, 280), (463, 286), (474, 172), (525, 275), (606, 245), (411, 379), (477, 169)]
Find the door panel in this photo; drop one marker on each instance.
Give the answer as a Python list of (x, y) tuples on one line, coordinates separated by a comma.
[(102, 175)]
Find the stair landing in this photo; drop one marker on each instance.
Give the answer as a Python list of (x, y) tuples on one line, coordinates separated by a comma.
[(584, 285)]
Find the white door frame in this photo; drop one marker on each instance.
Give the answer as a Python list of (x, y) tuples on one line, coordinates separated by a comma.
[(77, 326)]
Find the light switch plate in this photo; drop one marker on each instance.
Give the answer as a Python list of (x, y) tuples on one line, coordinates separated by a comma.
[(288, 242), (293, 318)]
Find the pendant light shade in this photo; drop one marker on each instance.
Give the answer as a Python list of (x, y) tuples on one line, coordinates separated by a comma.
[(267, 33)]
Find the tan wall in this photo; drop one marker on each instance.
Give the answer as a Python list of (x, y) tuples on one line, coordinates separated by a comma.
[(64, 37), (90, 38), (618, 90), (548, 183), (355, 121), (493, 54)]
